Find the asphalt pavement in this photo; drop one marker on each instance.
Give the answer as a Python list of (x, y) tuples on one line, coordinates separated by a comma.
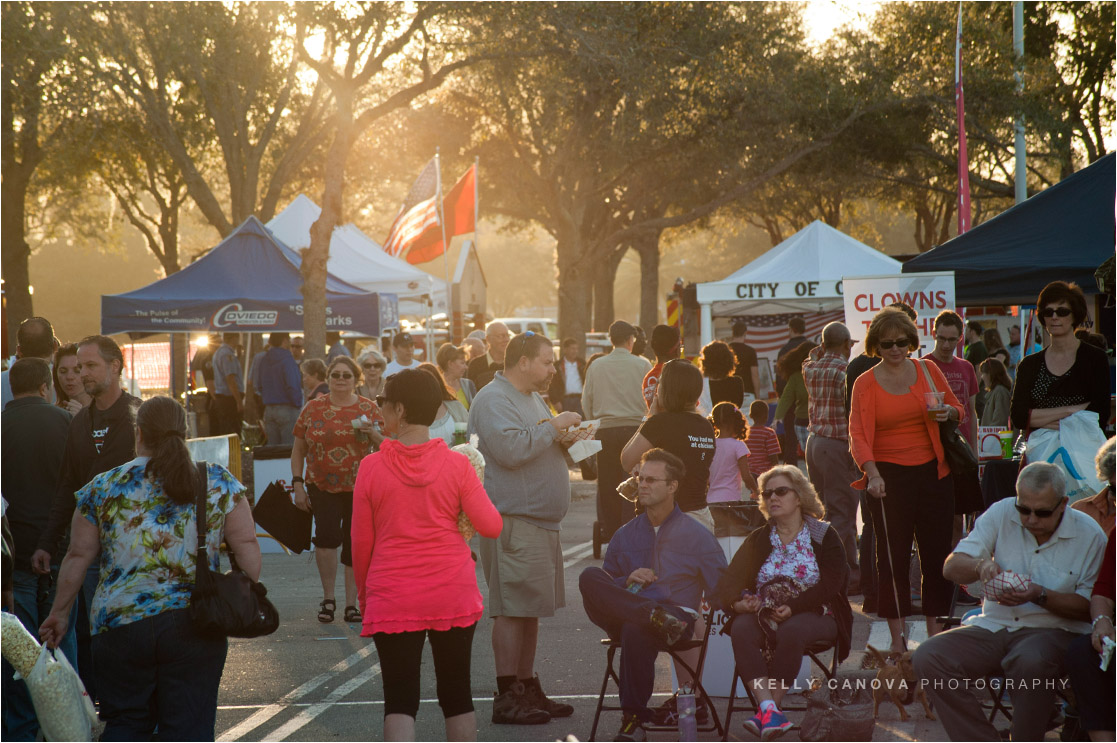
[(321, 682)]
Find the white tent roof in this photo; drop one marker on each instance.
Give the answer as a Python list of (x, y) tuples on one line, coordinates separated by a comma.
[(359, 260), (802, 274)]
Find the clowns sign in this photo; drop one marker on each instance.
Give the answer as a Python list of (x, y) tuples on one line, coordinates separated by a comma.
[(927, 293)]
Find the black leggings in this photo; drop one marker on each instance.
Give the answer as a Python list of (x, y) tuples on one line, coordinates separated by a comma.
[(400, 656)]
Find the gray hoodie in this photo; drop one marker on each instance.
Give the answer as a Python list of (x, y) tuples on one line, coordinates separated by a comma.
[(525, 469)]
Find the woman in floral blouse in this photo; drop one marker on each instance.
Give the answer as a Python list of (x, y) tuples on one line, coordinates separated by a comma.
[(152, 668), (784, 591)]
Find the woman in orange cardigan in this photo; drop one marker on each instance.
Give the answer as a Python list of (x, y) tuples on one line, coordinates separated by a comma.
[(894, 438)]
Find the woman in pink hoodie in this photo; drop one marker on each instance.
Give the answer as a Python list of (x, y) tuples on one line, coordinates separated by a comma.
[(415, 574)]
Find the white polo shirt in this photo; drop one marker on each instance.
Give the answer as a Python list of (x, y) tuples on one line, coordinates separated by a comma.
[(1067, 562)]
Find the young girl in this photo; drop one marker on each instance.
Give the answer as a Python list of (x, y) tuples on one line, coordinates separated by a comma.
[(730, 465), (763, 443), (998, 387)]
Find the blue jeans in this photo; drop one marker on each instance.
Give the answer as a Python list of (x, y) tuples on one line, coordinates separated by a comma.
[(624, 616), (34, 595), (279, 424), (158, 672)]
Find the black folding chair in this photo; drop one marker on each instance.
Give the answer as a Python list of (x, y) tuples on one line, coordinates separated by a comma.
[(714, 725), (829, 670)]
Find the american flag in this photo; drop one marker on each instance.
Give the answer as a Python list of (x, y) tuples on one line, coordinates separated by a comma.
[(768, 333), (418, 214)]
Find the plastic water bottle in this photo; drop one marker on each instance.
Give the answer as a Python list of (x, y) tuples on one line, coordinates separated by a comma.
[(1020, 448), (688, 725)]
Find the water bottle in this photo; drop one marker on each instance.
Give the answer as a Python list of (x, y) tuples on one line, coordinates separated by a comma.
[(1020, 447), (688, 725)]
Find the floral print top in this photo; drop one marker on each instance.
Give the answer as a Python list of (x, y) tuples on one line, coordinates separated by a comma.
[(796, 560), (149, 542), (333, 452)]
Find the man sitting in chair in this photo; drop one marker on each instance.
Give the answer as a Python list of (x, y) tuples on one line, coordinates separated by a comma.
[(648, 592), (1021, 634)]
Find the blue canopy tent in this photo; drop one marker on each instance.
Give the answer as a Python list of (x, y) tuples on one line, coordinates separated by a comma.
[(1064, 232), (249, 283)]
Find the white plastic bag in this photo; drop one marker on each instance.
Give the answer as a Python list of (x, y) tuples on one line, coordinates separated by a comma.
[(20, 648), (1072, 449), (62, 705)]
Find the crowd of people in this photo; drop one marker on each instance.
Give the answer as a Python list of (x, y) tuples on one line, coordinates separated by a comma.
[(371, 459)]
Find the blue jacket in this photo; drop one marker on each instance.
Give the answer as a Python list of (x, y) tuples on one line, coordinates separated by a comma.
[(280, 380), (685, 557)]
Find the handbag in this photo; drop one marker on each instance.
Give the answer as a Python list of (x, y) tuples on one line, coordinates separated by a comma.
[(226, 604), (959, 454)]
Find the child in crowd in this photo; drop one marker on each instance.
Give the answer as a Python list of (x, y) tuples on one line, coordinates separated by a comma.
[(762, 441), (730, 465)]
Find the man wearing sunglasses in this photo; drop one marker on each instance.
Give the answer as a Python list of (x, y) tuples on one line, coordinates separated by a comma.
[(648, 592), (1024, 633)]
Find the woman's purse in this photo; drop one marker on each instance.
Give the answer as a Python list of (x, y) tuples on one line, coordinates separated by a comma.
[(226, 604), (959, 454)]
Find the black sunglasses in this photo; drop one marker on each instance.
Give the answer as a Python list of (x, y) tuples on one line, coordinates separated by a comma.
[(1040, 513), (340, 375), (371, 365), (1053, 311), (380, 400), (781, 491), (523, 340), (885, 345)]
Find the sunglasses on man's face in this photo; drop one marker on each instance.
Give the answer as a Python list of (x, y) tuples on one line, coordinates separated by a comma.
[(341, 375), (885, 345), (1040, 513), (1053, 311)]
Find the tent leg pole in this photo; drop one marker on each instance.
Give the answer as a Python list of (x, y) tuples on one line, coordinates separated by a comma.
[(706, 321)]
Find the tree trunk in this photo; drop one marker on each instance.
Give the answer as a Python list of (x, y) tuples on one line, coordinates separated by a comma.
[(648, 248), (575, 292), (16, 256), (315, 257), (605, 279)]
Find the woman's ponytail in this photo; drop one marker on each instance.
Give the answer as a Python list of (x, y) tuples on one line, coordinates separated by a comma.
[(162, 424)]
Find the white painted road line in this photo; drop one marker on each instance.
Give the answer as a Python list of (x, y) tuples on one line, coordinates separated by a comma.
[(375, 702), (271, 710), (303, 718), (574, 558), (577, 548)]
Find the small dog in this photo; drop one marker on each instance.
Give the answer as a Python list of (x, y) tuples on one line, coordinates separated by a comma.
[(896, 681)]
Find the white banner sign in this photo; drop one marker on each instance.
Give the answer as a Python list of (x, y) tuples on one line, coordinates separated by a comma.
[(927, 293)]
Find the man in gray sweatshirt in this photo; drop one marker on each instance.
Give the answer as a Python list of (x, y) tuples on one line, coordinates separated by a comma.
[(527, 479)]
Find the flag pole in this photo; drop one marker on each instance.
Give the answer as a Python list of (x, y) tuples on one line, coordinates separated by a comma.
[(445, 245)]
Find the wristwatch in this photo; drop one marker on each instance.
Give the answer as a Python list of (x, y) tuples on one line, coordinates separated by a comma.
[(1041, 599), (297, 479)]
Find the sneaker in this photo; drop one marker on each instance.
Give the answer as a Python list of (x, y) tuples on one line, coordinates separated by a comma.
[(631, 729), (754, 724), (667, 714), (536, 698), (775, 725), (668, 628), (513, 708)]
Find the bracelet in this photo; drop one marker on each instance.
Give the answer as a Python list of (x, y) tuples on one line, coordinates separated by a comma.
[(297, 479), (1094, 624)]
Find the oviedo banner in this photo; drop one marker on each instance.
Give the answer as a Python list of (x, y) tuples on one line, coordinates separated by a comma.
[(927, 293)]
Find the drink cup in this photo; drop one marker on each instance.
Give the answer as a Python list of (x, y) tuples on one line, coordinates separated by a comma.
[(1006, 443), (934, 399)]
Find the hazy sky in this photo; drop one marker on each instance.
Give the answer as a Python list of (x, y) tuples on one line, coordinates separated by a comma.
[(824, 16)]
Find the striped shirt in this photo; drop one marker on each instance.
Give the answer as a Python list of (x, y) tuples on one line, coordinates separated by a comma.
[(764, 449), (824, 375)]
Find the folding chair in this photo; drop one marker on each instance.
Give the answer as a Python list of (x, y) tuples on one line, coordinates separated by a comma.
[(813, 651), (674, 651)]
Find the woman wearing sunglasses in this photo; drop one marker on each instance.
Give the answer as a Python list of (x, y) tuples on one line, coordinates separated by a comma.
[(372, 364), (894, 438), (332, 435), (784, 591), (1068, 375)]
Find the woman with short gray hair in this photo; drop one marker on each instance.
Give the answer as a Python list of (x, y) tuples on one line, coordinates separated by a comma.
[(1101, 506)]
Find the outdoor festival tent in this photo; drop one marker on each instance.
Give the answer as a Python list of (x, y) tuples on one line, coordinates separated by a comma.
[(360, 260), (248, 283), (1064, 232), (802, 274)]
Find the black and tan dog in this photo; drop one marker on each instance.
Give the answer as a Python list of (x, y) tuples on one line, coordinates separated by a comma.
[(896, 681)]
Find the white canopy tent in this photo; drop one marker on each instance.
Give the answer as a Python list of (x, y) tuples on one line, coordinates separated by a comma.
[(361, 261), (802, 274)]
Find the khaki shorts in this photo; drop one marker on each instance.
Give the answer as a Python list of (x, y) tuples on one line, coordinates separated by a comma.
[(704, 517), (523, 568)]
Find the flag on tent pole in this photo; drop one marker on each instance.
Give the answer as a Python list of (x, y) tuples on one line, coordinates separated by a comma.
[(963, 157), (419, 213), (459, 215)]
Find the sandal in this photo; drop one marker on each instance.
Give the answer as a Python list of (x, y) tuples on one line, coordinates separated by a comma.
[(352, 614), (326, 613)]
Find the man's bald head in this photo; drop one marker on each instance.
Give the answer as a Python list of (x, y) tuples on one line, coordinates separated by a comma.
[(835, 336)]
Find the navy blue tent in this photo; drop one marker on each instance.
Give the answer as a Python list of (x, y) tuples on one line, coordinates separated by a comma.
[(248, 283), (1064, 232)]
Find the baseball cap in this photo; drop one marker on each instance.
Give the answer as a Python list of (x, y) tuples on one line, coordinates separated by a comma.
[(403, 339)]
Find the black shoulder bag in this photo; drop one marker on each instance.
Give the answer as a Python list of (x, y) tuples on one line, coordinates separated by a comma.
[(226, 604)]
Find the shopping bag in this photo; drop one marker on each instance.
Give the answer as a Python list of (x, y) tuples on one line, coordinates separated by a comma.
[(62, 705), (1072, 449)]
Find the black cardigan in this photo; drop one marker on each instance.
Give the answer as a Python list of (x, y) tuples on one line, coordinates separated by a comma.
[(1087, 380), (830, 591)]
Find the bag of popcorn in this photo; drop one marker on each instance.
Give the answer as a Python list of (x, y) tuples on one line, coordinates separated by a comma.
[(62, 705), (19, 647), (465, 526)]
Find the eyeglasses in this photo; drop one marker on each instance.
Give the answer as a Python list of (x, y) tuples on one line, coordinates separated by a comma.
[(380, 401), (523, 340), (341, 375), (781, 491), (1040, 513), (652, 480), (1053, 311), (902, 343), (945, 339), (372, 366)]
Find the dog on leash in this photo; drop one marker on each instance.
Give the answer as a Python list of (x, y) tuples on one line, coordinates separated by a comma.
[(896, 681)]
